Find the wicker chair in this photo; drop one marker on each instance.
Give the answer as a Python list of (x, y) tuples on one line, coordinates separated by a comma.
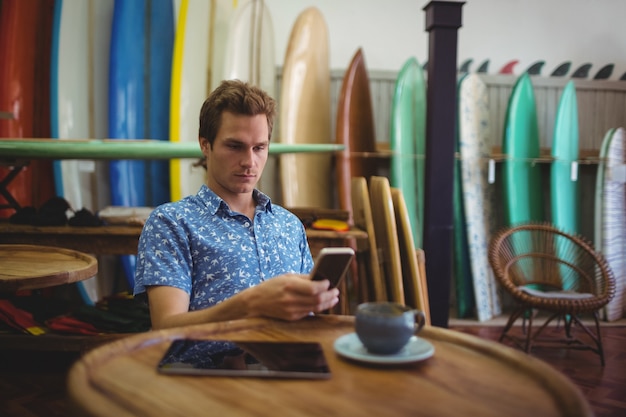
[(544, 268)]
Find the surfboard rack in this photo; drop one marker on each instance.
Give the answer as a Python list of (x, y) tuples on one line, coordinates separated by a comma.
[(128, 149), (16, 153)]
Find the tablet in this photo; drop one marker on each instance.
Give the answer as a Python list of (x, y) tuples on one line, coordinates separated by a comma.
[(245, 358)]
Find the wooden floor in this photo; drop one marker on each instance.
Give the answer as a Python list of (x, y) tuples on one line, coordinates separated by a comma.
[(33, 384)]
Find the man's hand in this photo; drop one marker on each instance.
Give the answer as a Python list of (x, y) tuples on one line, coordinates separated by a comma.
[(290, 297)]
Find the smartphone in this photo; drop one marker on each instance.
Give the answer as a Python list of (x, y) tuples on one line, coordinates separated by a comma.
[(332, 264)]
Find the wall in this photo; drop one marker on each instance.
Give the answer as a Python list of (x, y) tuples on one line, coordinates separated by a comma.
[(390, 31)]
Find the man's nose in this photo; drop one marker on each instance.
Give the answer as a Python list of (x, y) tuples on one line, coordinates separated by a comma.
[(247, 158)]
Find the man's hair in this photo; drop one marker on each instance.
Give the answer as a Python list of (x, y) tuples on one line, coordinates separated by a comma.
[(237, 97)]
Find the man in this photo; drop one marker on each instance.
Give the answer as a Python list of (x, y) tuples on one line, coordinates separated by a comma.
[(228, 252)]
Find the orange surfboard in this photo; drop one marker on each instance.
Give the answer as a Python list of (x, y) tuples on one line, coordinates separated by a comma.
[(17, 79)]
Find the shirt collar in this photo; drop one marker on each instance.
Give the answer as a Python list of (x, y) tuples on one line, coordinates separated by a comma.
[(214, 202)]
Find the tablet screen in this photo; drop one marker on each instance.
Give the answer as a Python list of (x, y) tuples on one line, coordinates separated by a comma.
[(256, 359)]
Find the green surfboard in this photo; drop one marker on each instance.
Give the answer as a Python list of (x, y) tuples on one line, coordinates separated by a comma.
[(523, 200), (407, 141), (465, 305), (564, 190)]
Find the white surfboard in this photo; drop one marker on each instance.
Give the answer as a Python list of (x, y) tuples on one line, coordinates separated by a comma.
[(610, 220), (477, 193), (71, 81), (250, 57), (189, 89)]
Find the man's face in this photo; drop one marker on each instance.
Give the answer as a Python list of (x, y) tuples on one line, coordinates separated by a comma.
[(239, 154)]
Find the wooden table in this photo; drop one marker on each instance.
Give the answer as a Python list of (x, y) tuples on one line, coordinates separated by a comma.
[(27, 267), (466, 376)]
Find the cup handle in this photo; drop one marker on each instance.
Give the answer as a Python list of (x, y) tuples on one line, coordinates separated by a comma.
[(420, 320)]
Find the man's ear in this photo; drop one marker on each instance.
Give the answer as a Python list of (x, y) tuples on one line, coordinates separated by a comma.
[(205, 146)]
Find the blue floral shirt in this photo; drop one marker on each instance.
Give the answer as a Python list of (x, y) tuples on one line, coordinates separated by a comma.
[(199, 245)]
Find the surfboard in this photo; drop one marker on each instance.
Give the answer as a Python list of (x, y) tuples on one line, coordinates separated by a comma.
[(43, 172), (354, 129), (17, 54), (250, 57), (70, 78), (463, 284), (408, 130), (414, 294), (610, 215), (372, 277), (222, 17), (69, 101), (304, 113), (523, 199), (563, 189), (387, 237), (127, 178), (189, 89), (478, 198), (160, 44)]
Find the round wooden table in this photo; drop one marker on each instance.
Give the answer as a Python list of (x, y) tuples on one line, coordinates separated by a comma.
[(27, 267), (466, 376)]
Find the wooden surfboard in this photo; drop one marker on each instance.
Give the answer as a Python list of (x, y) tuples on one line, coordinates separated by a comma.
[(408, 128), (414, 294), (564, 190), (189, 89), (354, 129), (521, 175), (363, 219), (478, 200), (610, 215), (387, 237), (250, 57), (17, 76), (305, 112)]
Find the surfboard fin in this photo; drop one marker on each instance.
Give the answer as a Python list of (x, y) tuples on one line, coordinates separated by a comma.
[(604, 73), (561, 70), (535, 69), (464, 68), (582, 71), (484, 67), (508, 67)]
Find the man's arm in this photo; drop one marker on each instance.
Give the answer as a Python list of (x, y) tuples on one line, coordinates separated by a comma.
[(287, 297)]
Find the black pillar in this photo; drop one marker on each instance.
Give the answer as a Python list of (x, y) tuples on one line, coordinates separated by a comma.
[(443, 18)]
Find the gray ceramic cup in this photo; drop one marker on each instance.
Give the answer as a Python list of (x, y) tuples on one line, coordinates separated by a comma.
[(385, 327)]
